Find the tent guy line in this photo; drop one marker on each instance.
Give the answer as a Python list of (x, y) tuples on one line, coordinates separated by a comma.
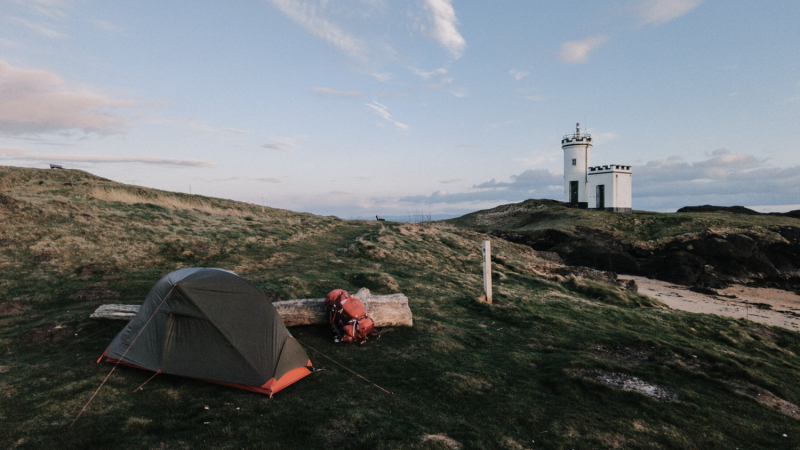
[(345, 368), (123, 355)]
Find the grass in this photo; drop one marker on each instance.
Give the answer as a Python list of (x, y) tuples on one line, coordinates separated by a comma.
[(532, 216), (501, 376)]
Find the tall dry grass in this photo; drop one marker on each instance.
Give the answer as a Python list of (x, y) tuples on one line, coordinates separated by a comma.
[(166, 201)]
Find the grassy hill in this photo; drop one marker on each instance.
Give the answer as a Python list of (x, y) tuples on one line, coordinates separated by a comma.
[(707, 248), (542, 368), (537, 215)]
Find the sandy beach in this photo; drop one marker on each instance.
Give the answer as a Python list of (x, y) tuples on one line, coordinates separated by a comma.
[(764, 305)]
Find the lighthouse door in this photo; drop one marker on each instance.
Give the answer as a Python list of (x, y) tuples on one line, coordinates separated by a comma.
[(601, 196), (573, 192)]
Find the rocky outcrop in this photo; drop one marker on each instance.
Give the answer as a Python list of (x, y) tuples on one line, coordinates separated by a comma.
[(714, 258)]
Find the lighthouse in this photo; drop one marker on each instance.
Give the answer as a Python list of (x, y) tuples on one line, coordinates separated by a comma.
[(601, 187), (577, 148)]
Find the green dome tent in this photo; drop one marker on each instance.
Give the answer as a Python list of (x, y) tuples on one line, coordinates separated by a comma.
[(213, 325)]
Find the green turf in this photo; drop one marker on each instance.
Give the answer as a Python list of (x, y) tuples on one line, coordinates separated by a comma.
[(501, 376)]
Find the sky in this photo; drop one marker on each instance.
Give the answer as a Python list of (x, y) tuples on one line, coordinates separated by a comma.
[(363, 107)]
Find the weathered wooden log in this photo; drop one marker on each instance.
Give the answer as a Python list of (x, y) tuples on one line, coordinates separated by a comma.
[(124, 312), (385, 310)]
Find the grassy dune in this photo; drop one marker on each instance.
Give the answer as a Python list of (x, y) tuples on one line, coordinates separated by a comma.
[(525, 373)]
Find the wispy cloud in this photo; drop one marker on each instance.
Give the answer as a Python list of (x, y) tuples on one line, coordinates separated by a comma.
[(383, 112), (658, 12), (444, 26), (381, 94), (537, 158), (38, 101), (105, 25), (39, 28), (530, 94), (602, 138), (234, 130), (335, 93), (21, 154), (7, 43), (225, 180), (283, 144), (437, 77), (453, 180), (309, 16), (518, 74), (382, 76), (459, 92), (51, 9), (532, 183), (577, 52)]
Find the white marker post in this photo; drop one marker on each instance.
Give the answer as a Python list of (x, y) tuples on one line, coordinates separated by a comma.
[(487, 271)]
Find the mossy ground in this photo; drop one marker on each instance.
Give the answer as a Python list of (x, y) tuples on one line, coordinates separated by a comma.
[(538, 215), (500, 376)]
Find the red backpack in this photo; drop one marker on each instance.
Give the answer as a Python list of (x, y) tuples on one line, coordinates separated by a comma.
[(348, 319)]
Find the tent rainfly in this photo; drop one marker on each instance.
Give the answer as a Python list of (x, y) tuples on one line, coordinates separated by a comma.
[(213, 325)]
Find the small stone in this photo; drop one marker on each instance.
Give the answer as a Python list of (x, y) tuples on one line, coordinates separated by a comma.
[(206, 408)]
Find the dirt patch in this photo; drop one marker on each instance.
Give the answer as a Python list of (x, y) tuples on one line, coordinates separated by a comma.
[(3, 369), (7, 201), (43, 257), (640, 355), (764, 333), (98, 269), (137, 425), (631, 356), (512, 444), (451, 443), (631, 383), (95, 293), (765, 397), (200, 248), (341, 430), (464, 383), (13, 308), (47, 335)]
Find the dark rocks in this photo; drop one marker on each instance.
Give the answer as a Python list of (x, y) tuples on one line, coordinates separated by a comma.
[(602, 258), (675, 266), (736, 246), (711, 208)]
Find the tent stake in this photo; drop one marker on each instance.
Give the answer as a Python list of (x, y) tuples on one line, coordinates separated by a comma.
[(148, 380)]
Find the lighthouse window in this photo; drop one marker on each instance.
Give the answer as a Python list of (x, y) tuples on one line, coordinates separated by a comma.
[(574, 162)]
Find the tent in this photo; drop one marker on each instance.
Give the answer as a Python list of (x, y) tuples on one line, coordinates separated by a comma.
[(212, 325)]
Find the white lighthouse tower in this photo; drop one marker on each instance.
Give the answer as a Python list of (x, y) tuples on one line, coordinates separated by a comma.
[(577, 148), (602, 187)]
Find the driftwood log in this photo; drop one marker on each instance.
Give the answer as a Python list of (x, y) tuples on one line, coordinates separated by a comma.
[(385, 310)]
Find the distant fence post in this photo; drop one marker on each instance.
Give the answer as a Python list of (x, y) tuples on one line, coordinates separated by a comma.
[(487, 271)]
